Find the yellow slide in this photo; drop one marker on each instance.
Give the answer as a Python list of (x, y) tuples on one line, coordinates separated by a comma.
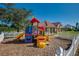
[(21, 35)]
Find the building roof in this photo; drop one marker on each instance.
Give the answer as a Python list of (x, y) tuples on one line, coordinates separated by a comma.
[(49, 24), (57, 23)]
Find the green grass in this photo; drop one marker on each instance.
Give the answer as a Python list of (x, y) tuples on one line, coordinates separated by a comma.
[(68, 34)]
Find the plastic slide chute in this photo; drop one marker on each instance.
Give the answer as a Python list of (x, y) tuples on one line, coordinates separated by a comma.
[(20, 36)]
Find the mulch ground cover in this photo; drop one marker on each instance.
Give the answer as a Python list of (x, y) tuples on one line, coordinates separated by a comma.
[(18, 48)]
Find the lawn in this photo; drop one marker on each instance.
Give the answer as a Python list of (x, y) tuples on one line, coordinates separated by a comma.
[(68, 34)]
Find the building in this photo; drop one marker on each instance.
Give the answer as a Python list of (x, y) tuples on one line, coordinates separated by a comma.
[(58, 26), (69, 27), (50, 28), (53, 27)]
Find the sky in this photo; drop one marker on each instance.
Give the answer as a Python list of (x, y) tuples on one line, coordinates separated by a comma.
[(53, 12)]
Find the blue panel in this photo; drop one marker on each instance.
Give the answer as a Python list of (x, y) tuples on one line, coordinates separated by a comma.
[(28, 39)]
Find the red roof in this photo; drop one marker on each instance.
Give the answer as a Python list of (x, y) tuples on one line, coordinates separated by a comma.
[(35, 20)]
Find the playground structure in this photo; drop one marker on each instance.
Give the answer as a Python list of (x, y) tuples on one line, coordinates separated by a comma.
[(35, 34)]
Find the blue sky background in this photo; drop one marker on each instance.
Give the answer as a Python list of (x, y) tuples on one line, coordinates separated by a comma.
[(64, 13)]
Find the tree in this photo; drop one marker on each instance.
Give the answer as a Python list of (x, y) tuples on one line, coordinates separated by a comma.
[(77, 26), (8, 5), (17, 16)]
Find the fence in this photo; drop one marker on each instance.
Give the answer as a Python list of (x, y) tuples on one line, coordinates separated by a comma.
[(11, 34), (8, 35), (72, 49), (1, 36)]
